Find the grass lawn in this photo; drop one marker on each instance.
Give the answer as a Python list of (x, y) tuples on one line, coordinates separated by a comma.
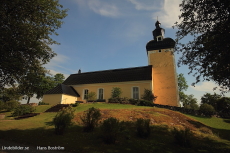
[(37, 131)]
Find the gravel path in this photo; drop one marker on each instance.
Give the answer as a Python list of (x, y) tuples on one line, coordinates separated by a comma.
[(19, 148)]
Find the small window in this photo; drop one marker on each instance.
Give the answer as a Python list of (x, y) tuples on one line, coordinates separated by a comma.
[(100, 93), (135, 92), (159, 38), (86, 91)]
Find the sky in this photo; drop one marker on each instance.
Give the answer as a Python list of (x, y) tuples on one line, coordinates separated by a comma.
[(111, 34)]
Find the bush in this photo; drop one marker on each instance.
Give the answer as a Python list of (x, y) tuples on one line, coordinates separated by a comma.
[(207, 110), (133, 101), (143, 128), (75, 105), (182, 137), (148, 95), (43, 103), (11, 105), (2, 105), (63, 119), (90, 119), (23, 109), (110, 129), (116, 92), (144, 103)]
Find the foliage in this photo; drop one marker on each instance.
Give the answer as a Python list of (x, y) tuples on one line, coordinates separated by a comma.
[(2, 105), (91, 96), (207, 54), (90, 119), (207, 110), (182, 137), (75, 105), (189, 102), (110, 130), (11, 105), (116, 92), (148, 95), (23, 109), (182, 83), (210, 99), (58, 79), (123, 100), (133, 101), (145, 103), (143, 128), (63, 119), (12, 93), (43, 103), (223, 105), (26, 29)]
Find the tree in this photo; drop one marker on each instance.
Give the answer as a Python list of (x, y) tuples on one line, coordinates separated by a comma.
[(9, 94), (91, 96), (58, 78), (182, 86), (26, 27), (210, 99), (190, 102), (208, 22)]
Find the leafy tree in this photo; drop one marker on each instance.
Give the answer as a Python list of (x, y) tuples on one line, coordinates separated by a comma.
[(210, 99), (207, 110), (116, 92), (26, 27), (8, 94), (58, 79), (190, 102), (182, 86), (223, 105), (148, 95), (208, 22)]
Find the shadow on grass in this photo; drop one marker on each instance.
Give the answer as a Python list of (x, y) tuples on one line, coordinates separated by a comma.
[(227, 120), (74, 140)]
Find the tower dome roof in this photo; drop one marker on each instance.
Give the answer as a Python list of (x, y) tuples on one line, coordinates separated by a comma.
[(165, 43)]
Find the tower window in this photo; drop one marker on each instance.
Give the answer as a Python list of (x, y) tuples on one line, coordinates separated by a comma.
[(159, 38)]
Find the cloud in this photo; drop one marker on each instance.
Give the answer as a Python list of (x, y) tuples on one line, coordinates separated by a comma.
[(145, 5), (205, 86), (169, 13), (103, 8)]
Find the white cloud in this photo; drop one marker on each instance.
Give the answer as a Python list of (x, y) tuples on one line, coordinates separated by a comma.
[(206, 86), (103, 8), (169, 13), (53, 72), (145, 5)]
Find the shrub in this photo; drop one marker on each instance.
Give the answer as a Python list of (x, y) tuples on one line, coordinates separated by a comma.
[(110, 129), (90, 119), (23, 109), (133, 101), (143, 128), (63, 119), (207, 110), (2, 105), (144, 103), (11, 105), (115, 100), (91, 96), (182, 137), (116, 92), (75, 105), (43, 103), (148, 95)]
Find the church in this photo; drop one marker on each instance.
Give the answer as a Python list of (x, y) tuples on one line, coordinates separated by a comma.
[(159, 76)]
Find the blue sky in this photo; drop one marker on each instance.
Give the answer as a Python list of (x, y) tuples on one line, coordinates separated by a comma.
[(110, 34)]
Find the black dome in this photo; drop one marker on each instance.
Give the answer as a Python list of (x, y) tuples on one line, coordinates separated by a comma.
[(166, 43)]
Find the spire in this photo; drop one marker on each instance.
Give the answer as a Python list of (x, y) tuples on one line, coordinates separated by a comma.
[(158, 31)]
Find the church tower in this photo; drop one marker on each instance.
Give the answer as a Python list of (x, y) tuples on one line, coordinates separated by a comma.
[(164, 76)]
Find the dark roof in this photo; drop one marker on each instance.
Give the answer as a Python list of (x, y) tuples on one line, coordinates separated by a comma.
[(63, 89), (166, 43), (115, 75)]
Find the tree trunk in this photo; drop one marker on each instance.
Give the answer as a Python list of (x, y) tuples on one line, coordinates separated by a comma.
[(28, 101)]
